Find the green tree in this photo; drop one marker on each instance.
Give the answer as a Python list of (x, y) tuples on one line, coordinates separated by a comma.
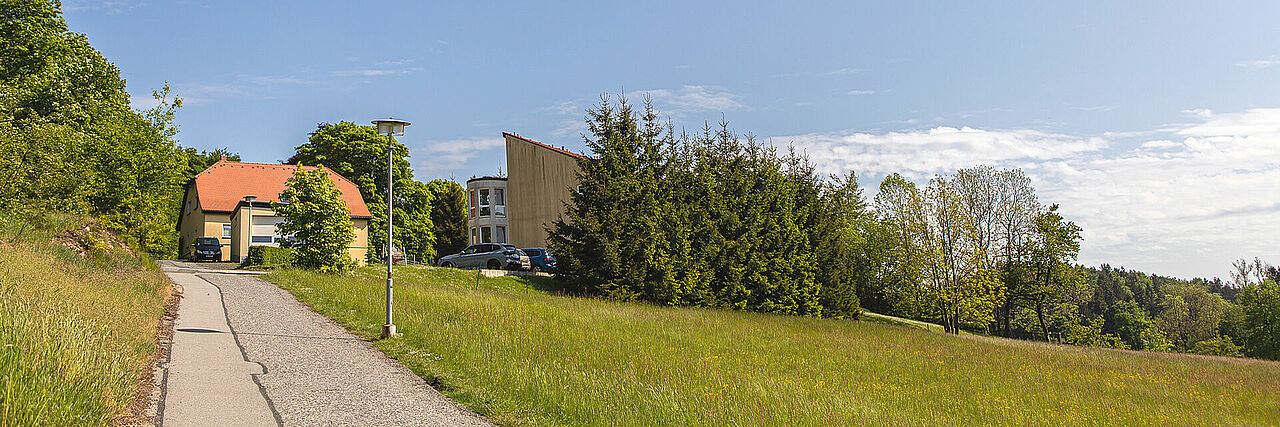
[(449, 216), (318, 220), (1261, 304), (1052, 277), (1219, 346), (359, 154), (710, 219), (69, 140), (1137, 329)]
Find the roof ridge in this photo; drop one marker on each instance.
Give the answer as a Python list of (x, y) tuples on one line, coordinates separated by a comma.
[(553, 148)]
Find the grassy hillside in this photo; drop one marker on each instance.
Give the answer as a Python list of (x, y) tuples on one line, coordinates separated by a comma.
[(78, 317), (525, 356)]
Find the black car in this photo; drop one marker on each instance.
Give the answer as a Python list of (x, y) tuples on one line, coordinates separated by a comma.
[(541, 259), (207, 248)]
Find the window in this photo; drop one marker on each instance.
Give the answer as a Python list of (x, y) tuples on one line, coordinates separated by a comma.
[(499, 204), (226, 231), (472, 201), (486, 234), (473, 234), (502, 234), (484, 202), (262, 239)]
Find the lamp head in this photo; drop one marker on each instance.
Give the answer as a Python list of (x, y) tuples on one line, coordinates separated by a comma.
[(390, 126)]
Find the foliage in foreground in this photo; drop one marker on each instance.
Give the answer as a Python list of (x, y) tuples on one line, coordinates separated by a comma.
[(522, 356), (317, 219), (78, 320), (70, 141)]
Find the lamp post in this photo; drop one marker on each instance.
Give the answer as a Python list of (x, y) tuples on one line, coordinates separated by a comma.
[(389, 127)]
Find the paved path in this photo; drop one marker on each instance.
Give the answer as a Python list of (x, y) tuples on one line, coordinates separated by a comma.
[(247, 353)]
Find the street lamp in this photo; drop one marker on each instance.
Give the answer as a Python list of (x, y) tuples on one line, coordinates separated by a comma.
[(389, 127)]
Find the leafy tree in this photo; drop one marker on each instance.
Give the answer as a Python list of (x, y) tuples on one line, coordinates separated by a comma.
[(1138, 331), (1219, 346), (940, 241), (449, 216), (1089, 334), (359, 154), (1052, 249), (69, 140), (1190, 314), (1260, 302), (318, 220)]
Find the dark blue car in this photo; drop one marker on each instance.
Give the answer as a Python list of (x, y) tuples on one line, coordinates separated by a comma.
[(541, 259)]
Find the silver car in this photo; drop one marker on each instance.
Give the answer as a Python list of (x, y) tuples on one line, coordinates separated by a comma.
[(493, 256)]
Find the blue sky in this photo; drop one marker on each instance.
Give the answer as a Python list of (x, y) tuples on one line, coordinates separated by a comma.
[(1154, 124)]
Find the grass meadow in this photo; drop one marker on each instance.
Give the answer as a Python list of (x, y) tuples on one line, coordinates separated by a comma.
[(77, 326), (513, 350)]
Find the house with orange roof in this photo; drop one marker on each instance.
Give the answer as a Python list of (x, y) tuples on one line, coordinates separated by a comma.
[(231, 201)]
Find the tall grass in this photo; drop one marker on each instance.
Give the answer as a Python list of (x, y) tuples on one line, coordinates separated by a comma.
[(75, 328), (525, 356)]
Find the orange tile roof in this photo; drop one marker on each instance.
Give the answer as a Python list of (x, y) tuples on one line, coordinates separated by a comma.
[(558, 150), (222, 186)]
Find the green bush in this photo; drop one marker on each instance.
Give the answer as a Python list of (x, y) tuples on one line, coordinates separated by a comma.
[(268, 256)]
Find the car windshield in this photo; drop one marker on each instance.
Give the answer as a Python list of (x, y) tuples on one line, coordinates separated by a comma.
[(206, 241)]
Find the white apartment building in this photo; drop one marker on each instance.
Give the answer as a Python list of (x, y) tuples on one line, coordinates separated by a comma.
[(487, 209)]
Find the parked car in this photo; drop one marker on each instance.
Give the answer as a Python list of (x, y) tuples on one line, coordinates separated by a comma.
[(207, 248), (493, 256), (540, 259)]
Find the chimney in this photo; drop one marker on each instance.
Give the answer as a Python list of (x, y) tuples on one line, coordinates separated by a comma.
[(224, 157)]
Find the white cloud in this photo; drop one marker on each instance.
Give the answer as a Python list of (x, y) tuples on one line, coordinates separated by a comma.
[(1186, 200), (381, 68), (695, 99), (564, 108), (1259, 63), (441, 158), (856, 92), (571, 127)]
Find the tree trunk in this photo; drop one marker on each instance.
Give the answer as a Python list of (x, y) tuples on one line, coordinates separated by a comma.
[(1044, 327)]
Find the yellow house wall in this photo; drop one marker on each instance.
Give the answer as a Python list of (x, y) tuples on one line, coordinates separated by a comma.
[(197, 223), (539, 183), (360, 246)]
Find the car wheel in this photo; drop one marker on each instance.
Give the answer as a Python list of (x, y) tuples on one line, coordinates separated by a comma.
[(447, 265), (536, 269), (494, 265)]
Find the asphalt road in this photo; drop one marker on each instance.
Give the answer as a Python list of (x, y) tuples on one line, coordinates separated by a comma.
[(247, 353)]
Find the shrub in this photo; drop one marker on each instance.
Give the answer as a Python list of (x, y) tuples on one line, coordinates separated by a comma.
[(268, 256)]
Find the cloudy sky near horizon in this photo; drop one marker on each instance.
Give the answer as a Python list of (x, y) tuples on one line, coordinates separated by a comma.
[(1156, 126)]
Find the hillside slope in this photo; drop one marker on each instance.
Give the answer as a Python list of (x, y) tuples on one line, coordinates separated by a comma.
[(78, 323), (524, 356)]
